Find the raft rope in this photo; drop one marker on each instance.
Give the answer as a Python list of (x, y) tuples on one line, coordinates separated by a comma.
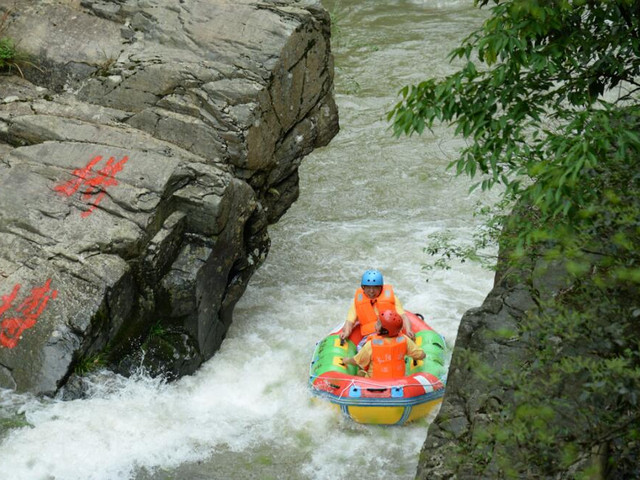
[(364, 382)]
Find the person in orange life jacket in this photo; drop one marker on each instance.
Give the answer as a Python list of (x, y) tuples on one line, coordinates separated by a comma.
[(370, 299), (383, 356)]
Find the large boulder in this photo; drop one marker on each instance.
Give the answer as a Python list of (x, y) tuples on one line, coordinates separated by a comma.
[(145, 146)]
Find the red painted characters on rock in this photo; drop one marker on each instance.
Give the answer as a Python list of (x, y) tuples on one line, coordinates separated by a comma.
[(94, 183), (14, 321)]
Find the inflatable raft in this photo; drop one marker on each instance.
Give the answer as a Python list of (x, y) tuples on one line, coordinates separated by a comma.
[(388, 402)]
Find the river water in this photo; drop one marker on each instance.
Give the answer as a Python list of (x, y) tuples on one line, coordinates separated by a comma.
[(368, 200)]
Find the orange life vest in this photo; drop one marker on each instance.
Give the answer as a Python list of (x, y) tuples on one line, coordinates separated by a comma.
[(387, 356), (368, 310)]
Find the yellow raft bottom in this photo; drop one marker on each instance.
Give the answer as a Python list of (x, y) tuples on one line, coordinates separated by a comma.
[(389, 415)]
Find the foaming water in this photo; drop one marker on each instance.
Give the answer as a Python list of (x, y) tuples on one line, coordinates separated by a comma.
[(367, 200)]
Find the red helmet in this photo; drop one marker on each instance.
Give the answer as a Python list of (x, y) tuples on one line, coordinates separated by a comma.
[(391, 322)]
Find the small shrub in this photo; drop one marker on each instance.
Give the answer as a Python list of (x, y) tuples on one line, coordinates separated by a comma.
[(10, 56)]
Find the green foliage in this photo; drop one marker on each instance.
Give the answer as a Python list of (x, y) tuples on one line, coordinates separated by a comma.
[(548, 99), (158, 330), (444, 247), (10, 57), (8, 52), (91, 363), (534, 112), (575, 407)]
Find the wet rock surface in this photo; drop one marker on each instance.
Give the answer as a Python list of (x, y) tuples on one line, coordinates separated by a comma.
[(144, 149)]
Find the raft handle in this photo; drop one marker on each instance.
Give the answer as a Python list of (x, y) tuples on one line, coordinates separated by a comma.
[(413, 360), (377, 389)]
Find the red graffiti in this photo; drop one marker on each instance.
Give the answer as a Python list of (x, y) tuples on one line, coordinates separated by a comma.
[(25, 315), (95, 183)]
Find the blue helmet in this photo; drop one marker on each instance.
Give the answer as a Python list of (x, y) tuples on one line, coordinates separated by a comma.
[(372, 278)]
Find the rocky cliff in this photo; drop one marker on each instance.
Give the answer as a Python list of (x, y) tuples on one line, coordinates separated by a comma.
[(145, 146), (543, 380), (470, 401)]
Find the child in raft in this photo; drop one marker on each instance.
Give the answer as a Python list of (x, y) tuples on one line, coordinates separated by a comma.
[(383, 356)]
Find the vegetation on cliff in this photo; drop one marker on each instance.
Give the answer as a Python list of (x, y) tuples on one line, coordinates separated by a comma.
[(548, 98), (10, 57)]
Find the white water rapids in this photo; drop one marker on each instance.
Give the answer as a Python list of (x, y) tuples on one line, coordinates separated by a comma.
[(367, 200)]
